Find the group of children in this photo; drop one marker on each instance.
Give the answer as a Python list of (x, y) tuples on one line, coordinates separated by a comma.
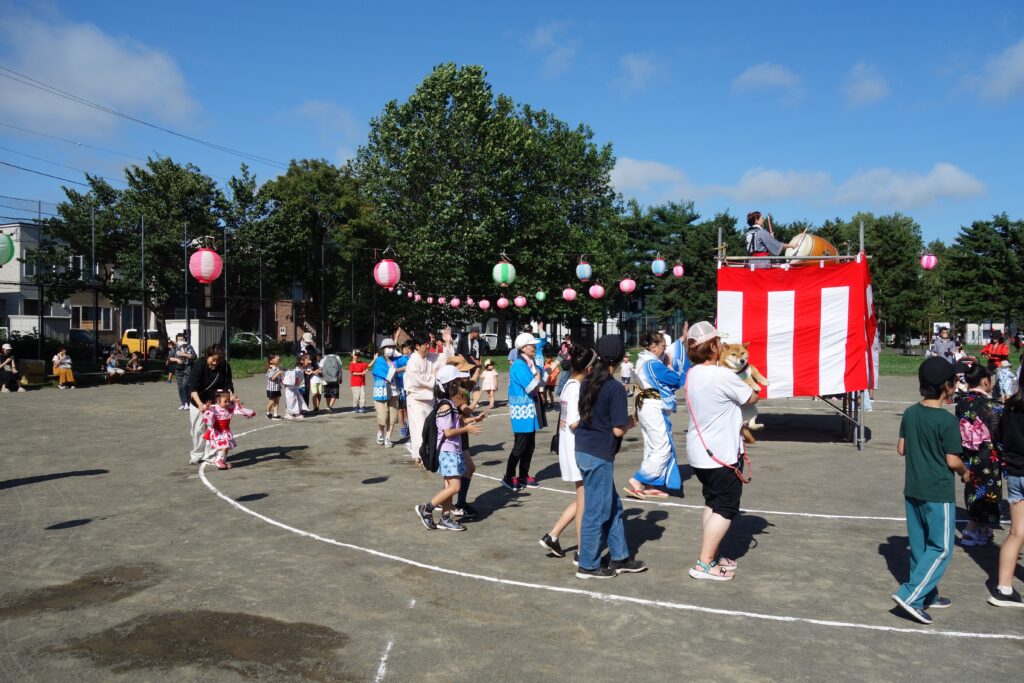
[(313, 380)]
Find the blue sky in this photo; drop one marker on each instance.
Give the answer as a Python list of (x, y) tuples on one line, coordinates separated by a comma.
[(805, 110)]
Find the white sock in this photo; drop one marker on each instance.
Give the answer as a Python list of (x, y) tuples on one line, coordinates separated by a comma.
[(554, 539), (1005, 590)]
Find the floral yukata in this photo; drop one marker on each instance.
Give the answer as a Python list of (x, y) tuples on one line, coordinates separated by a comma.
[(979, 430)]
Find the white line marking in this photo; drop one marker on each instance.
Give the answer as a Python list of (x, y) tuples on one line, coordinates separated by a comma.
[(383, 668), (412, 603), (604, 597)]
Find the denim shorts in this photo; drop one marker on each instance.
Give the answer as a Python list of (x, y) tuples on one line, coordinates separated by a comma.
[(1014, 489), (451, 464)]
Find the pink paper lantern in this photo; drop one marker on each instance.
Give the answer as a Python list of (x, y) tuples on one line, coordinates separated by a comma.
[(929, 261), (387, 273), (519, 301), (441, 300), (596, 292), (678, 269), (430, 299), (470, 302), (409, 294), (503, 303), (205, 265), (569, 294), (456, 302), (627, 285), (417, 298), (391, 289), (484, 304)]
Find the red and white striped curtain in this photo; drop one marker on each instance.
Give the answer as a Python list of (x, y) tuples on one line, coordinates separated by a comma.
[(809, 327)]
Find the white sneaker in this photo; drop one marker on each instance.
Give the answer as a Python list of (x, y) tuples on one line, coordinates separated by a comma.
[(388, 443), (380, 438)]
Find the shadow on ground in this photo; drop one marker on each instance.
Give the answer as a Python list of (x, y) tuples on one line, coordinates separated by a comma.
[(22, 481)]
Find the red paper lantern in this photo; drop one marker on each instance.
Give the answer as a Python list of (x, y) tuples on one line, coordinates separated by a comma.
[(387, 273), (596, 292), (678, 269), (569, 294), (502, 303), (205, 265), (456, 302), (484, 304), (929, 261), (520, 301), (627, 285)]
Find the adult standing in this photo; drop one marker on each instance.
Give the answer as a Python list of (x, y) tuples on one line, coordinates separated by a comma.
[(10, 378), (996, 351), (714, 397), (943, 346), (330, 371), (420, 380), (62, 369), (979, 416), (655, 404), (181, 361), (604, 420), (523, 400), (206, 378), (385, 391), (761, 242)]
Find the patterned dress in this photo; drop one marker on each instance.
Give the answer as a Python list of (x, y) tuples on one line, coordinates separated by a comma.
[(218, 432), (979, 429)]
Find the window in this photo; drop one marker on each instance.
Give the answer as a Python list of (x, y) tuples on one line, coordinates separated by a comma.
[(81, 317), (30, 307), (77, 266), (30, 267)]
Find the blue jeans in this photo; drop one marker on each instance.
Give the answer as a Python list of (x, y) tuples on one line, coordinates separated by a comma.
[(930, 530), (602, 512)]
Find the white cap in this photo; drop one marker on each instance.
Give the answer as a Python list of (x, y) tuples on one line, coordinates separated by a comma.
[(449, 373), (704, 331), (8, 347), (307, 336), (526, 339), (1002, 364), (387, 342)]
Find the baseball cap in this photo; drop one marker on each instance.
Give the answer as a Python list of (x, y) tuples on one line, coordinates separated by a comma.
[(704, 331), (388, 341), (449, 373), (611, 346), (1004, 364), (936, 370), (526, 339), (7, 347)]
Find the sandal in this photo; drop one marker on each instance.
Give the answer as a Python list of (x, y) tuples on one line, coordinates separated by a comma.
[(710, 572), (636, 493), (655, 493), (727, 564)]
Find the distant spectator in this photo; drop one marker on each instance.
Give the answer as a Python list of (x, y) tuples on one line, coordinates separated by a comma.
[(10, 378), (943, 346), (330, 369), (134, 364), (170, 365), (357, 371), (180, 361), (113, 368), (62, 368)]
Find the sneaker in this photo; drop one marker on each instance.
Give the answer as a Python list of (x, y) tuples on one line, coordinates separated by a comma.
[(997, 598), (552, 545), (970, 539), (511, 484), (913, 612), (380, 438), (940, 603), (599, 573), (404, 432), (532, 483), (466, 511), (449, 524), (276, 416), (221, 464), (576, 559), (426, 517), (388, 443), (289, 416), (627, 566), (270, 416), (300, 416), (184, 406)]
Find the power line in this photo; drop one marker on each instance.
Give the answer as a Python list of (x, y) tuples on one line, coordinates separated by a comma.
[(70, 168), (24, 199), (57, 177), (18, 208), (76, 143), (53, 90)]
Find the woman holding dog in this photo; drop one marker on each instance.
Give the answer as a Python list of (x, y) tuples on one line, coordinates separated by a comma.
[(714, 397), (655, 404)]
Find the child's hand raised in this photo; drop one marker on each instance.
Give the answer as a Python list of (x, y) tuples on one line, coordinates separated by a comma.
[(474, 429)]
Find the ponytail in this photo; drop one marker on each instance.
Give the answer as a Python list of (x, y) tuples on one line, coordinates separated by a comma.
[(602, 373)]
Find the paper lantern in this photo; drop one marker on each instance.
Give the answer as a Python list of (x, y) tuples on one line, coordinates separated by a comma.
[(469, 301), (569, 294), (391, 289), (430, 299), (408, 295), (584, 271), (596, 292), (456, 302), (504, 273), (205, 265), (541, 295), (6, 249), (484, 304), (503, 303), (441, 300), (929, 261), (678, 269), (387, 273), (658, 266), (417, 297), (519, 301), (627, 285), (399, 291)]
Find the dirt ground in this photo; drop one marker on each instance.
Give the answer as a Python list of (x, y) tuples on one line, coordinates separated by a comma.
[(305, 561)]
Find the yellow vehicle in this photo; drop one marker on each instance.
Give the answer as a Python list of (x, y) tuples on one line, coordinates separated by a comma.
[(132, 338)]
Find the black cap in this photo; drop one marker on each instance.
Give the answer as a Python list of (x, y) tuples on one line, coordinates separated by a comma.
[(936, 370), (611, 347)]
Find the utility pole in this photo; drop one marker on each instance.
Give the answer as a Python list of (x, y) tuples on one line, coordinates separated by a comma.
[(188, 321), (95, 289), (142, 288), (227, 353), (39, 281)]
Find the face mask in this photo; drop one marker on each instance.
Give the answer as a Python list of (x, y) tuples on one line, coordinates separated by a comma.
[(389, 352)]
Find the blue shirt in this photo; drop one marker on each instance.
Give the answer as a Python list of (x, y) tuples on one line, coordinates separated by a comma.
[(522, 404), (596, 438)]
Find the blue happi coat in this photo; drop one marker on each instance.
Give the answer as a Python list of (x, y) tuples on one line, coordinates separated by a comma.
[(522, 403), (381, 387)]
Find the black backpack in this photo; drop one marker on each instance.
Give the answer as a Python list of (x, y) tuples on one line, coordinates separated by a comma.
[(428, 448)]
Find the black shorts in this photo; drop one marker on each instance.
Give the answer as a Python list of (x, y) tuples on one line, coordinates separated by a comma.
[(331, 389), (722, 490), (273, 394)]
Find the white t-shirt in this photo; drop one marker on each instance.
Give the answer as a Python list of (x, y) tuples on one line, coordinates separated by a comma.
[(627, 370), (570, 413), (715, 396)]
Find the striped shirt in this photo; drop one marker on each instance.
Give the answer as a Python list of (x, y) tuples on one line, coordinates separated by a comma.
[(273, 384)]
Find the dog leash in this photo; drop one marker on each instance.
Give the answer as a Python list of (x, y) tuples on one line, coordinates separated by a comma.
[(742, 452)]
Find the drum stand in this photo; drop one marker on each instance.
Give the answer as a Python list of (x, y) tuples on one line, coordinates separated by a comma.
[(851, 416)]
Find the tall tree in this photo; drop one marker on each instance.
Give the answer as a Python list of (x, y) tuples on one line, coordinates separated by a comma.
[(984, 263)]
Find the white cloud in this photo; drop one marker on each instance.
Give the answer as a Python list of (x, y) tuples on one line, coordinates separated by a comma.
[(650, 177), (557, 49), (336, 125), (768, 76), (119, 72), (636, 72), (768, 184), (901, 189), (1003, 76), (864, 85)]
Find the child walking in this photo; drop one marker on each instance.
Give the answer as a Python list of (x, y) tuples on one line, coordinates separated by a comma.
[(930, 444), (451, 425), (1012, 428), (218, 427), (293, 382), (1006, 379), (357, 373), (489, 382), (274, 375)]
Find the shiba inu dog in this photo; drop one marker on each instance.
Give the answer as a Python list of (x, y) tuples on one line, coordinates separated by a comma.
[(736, 358)]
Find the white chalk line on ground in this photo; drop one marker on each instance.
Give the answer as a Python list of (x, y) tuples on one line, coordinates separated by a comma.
[(382, 668), (603, 597)]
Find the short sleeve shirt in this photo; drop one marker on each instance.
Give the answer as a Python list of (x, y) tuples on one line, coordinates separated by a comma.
[(353, 368), (595, 437), (715, 395), (929, 434)]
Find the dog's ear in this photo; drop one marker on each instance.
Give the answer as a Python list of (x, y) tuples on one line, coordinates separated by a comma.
[(746, 344)]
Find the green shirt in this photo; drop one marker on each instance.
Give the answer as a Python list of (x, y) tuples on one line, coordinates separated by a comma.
[(929, 434)]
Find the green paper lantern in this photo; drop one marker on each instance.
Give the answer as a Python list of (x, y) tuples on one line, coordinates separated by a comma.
[(504, 273), (6, 249), (541, 295)]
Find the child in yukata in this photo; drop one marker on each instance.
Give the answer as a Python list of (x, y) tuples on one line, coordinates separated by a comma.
[(1006, 379), (218, 427), (293, 382)]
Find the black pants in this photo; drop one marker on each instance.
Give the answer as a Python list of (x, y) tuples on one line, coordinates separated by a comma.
[(521, 455)]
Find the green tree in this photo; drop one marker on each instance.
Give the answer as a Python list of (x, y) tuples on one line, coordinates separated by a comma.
[(984, 262)]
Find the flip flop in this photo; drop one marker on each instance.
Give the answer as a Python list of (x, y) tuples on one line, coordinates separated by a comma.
[(635, 493), (655, 493)]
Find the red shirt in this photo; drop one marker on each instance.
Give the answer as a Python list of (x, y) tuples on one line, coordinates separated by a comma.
[(353, 368)]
